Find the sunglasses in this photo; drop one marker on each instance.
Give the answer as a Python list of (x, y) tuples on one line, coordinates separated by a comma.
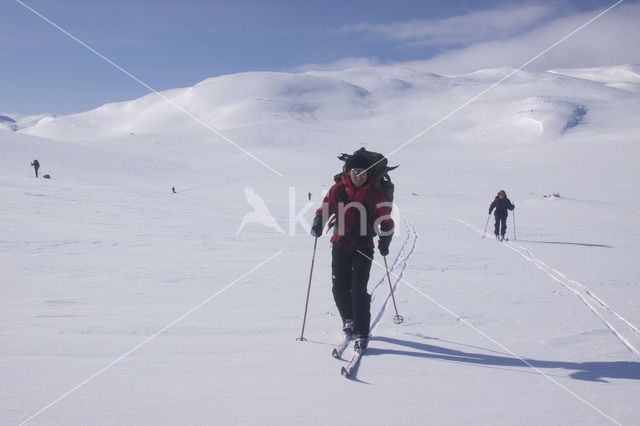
[(358, 172)]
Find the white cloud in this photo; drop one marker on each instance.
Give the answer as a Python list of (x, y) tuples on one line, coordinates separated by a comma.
[(610, 40), (458, 30)]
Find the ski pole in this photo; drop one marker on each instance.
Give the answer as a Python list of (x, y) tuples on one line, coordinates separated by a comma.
[(398, 318), (514, 225), (306, 305), (485, 227)]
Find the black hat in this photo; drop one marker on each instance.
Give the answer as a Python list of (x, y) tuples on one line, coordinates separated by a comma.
[(357, 162)]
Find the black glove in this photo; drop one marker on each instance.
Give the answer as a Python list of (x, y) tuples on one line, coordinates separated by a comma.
[(514, 206), (383, 244), (316, 228)]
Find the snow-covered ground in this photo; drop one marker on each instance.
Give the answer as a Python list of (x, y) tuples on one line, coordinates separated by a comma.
[(124, 303)]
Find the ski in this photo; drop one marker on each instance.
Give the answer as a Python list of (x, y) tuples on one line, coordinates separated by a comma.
[(342, 346), (347, 371)]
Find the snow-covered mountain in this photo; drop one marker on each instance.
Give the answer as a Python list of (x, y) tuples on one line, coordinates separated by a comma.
[(625, 77), (360, 95), (126, 303), (7, 122)]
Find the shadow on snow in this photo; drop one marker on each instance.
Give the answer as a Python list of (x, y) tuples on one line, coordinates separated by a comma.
[(565, 243), (591, 371)]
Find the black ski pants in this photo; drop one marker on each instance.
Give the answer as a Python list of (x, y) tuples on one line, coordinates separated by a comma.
[(501, 224), (350, 275)]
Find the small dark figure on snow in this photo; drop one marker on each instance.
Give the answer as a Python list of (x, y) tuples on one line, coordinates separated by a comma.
[(173, 189), (36, 166), (502, 205), (352, 244), (309, 195)]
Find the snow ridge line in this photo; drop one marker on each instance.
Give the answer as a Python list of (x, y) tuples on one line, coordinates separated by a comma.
[(400, 261), (604, 312)]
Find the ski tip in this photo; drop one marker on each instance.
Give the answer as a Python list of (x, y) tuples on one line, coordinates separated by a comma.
[(345, 372), (335, 354)]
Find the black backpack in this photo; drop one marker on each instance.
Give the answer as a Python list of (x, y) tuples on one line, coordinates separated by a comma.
[(378, 174)]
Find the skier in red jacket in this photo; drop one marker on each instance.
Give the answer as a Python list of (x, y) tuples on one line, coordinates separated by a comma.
[(359, 209)]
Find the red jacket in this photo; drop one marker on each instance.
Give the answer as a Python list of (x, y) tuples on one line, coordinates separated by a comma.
[(350, 221)]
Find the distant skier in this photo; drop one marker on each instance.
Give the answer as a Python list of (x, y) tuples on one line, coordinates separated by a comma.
[(173, 189), (502, 205), (352, 242), (309, 195), (36, 166)]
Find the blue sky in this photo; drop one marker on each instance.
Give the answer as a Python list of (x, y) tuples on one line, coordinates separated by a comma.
[(170, 44)]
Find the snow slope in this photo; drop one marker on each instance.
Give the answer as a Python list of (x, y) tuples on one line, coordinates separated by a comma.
[(124, 303), (623, 76)]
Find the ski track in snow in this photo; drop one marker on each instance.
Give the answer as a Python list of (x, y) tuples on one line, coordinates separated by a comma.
[(612, 319), (400, 262)]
